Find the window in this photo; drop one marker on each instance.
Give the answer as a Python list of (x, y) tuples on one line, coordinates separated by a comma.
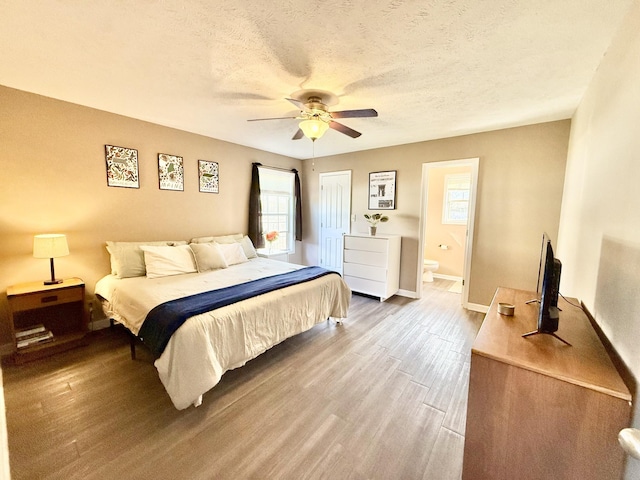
[(277, 195), (456, 199)]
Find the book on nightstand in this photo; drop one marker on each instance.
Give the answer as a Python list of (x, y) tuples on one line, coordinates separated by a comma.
[(26, 332), (33, 336)]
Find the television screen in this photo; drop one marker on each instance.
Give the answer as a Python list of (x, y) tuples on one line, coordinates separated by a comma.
[(547, 292), (543, 255), (548, 287)]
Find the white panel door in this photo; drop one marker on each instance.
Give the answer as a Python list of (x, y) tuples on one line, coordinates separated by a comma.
[(335, 213)]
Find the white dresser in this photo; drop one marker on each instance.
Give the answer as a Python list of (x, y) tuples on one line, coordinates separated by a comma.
[(371, 265)]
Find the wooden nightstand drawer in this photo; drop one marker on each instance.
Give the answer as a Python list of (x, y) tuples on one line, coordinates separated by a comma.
[(44, 299)]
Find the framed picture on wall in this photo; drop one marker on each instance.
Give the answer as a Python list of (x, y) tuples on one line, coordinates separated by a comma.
[(122, 166), (170, 172), (208, 176), (382, 190)]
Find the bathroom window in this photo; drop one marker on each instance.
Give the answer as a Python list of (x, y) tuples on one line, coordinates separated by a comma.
[(456, 199)]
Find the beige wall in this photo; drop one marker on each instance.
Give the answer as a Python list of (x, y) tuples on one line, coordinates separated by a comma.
[(53, 179), (451, 260), (520, 182), (599, 238)]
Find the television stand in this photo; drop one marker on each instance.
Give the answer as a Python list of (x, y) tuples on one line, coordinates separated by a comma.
[(535, 300), (553, 334), (537, 409)]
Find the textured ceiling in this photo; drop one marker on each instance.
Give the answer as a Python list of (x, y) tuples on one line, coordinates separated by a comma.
[(431, 69)]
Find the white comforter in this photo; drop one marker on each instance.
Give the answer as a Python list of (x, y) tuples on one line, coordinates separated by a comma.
[(208, 345)]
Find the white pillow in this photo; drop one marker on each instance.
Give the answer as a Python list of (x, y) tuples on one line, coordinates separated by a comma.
[(236, 237), (127, 260), (208, 256), (233, 253), (247, 246), (163, 261)]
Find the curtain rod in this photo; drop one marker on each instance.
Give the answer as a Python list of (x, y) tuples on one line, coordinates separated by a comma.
[(277, 168)]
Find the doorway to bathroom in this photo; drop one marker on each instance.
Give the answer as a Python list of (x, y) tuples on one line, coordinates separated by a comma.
[(448, 198)]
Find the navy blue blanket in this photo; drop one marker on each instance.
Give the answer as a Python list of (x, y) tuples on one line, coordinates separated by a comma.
[(162, 321)]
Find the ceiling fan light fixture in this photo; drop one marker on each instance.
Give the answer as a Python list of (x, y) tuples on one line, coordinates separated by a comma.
[(313, 128)]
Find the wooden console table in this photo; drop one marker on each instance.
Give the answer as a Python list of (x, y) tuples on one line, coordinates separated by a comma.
[(539, 408)]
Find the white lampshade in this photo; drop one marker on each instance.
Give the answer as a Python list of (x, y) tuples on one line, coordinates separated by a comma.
[(50, 245), (313, 128)]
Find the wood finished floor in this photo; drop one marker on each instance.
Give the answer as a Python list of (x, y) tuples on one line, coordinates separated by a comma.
[(381, 397)]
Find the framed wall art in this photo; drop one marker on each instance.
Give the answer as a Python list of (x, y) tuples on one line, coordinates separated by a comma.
[(170, 172), (122, 166), (382, 190), (208, 176)]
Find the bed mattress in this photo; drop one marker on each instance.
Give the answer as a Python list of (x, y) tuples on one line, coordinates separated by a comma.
[(209, 344)]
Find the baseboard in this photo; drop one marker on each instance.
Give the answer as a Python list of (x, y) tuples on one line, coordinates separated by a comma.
[(476, 307), (407, 293), (623, 369), (447, 277), (100, 324)]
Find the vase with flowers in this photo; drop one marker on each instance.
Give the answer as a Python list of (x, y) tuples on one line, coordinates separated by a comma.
[(373, 220), (271, 237)]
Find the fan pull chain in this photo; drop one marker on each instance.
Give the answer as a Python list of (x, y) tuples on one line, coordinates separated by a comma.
[(313, 155)]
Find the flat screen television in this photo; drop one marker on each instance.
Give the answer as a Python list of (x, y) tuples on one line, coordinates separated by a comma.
[(548, 290)]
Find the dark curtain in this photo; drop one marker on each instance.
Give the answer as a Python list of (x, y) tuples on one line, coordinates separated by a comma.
[(298, 206), (255, 209)]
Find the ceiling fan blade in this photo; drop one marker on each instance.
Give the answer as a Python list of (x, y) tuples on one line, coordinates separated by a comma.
[(299, 134), (365, 112), (297, 103), (273, 118), (344, 129)]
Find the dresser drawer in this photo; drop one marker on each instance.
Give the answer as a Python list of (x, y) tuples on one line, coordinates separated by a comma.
[(362, 285), (368, 244), (34, 300), (379, 274), (365, 258)]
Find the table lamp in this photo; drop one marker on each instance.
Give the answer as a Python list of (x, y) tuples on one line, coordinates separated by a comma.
[(50, 245)]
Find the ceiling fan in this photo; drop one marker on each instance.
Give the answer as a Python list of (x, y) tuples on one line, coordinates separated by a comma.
[(316, 118)]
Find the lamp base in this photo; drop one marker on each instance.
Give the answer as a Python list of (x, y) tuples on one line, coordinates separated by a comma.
[(54, 280)]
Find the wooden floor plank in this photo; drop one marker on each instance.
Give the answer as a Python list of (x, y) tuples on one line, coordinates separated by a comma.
[(382, 396), (443, 462)]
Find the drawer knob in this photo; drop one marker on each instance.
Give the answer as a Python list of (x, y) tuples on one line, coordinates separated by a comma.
[(49, 299)]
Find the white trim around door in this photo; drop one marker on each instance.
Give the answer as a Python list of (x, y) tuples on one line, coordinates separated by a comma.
[(474, 164)]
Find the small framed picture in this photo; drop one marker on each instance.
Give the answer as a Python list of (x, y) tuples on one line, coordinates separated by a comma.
[(382, 190), (208, 176), (122, 166), (170, 172)]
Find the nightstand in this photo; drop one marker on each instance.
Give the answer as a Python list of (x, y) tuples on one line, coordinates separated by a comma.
[(58, 308), (280, 255)]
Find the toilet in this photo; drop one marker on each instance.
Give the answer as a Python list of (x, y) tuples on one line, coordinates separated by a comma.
[(430, 266)]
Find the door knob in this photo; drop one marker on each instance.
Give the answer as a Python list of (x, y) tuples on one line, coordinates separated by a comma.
[(629, 438)]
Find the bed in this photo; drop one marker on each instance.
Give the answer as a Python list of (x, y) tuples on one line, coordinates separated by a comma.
[(208, 344)]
